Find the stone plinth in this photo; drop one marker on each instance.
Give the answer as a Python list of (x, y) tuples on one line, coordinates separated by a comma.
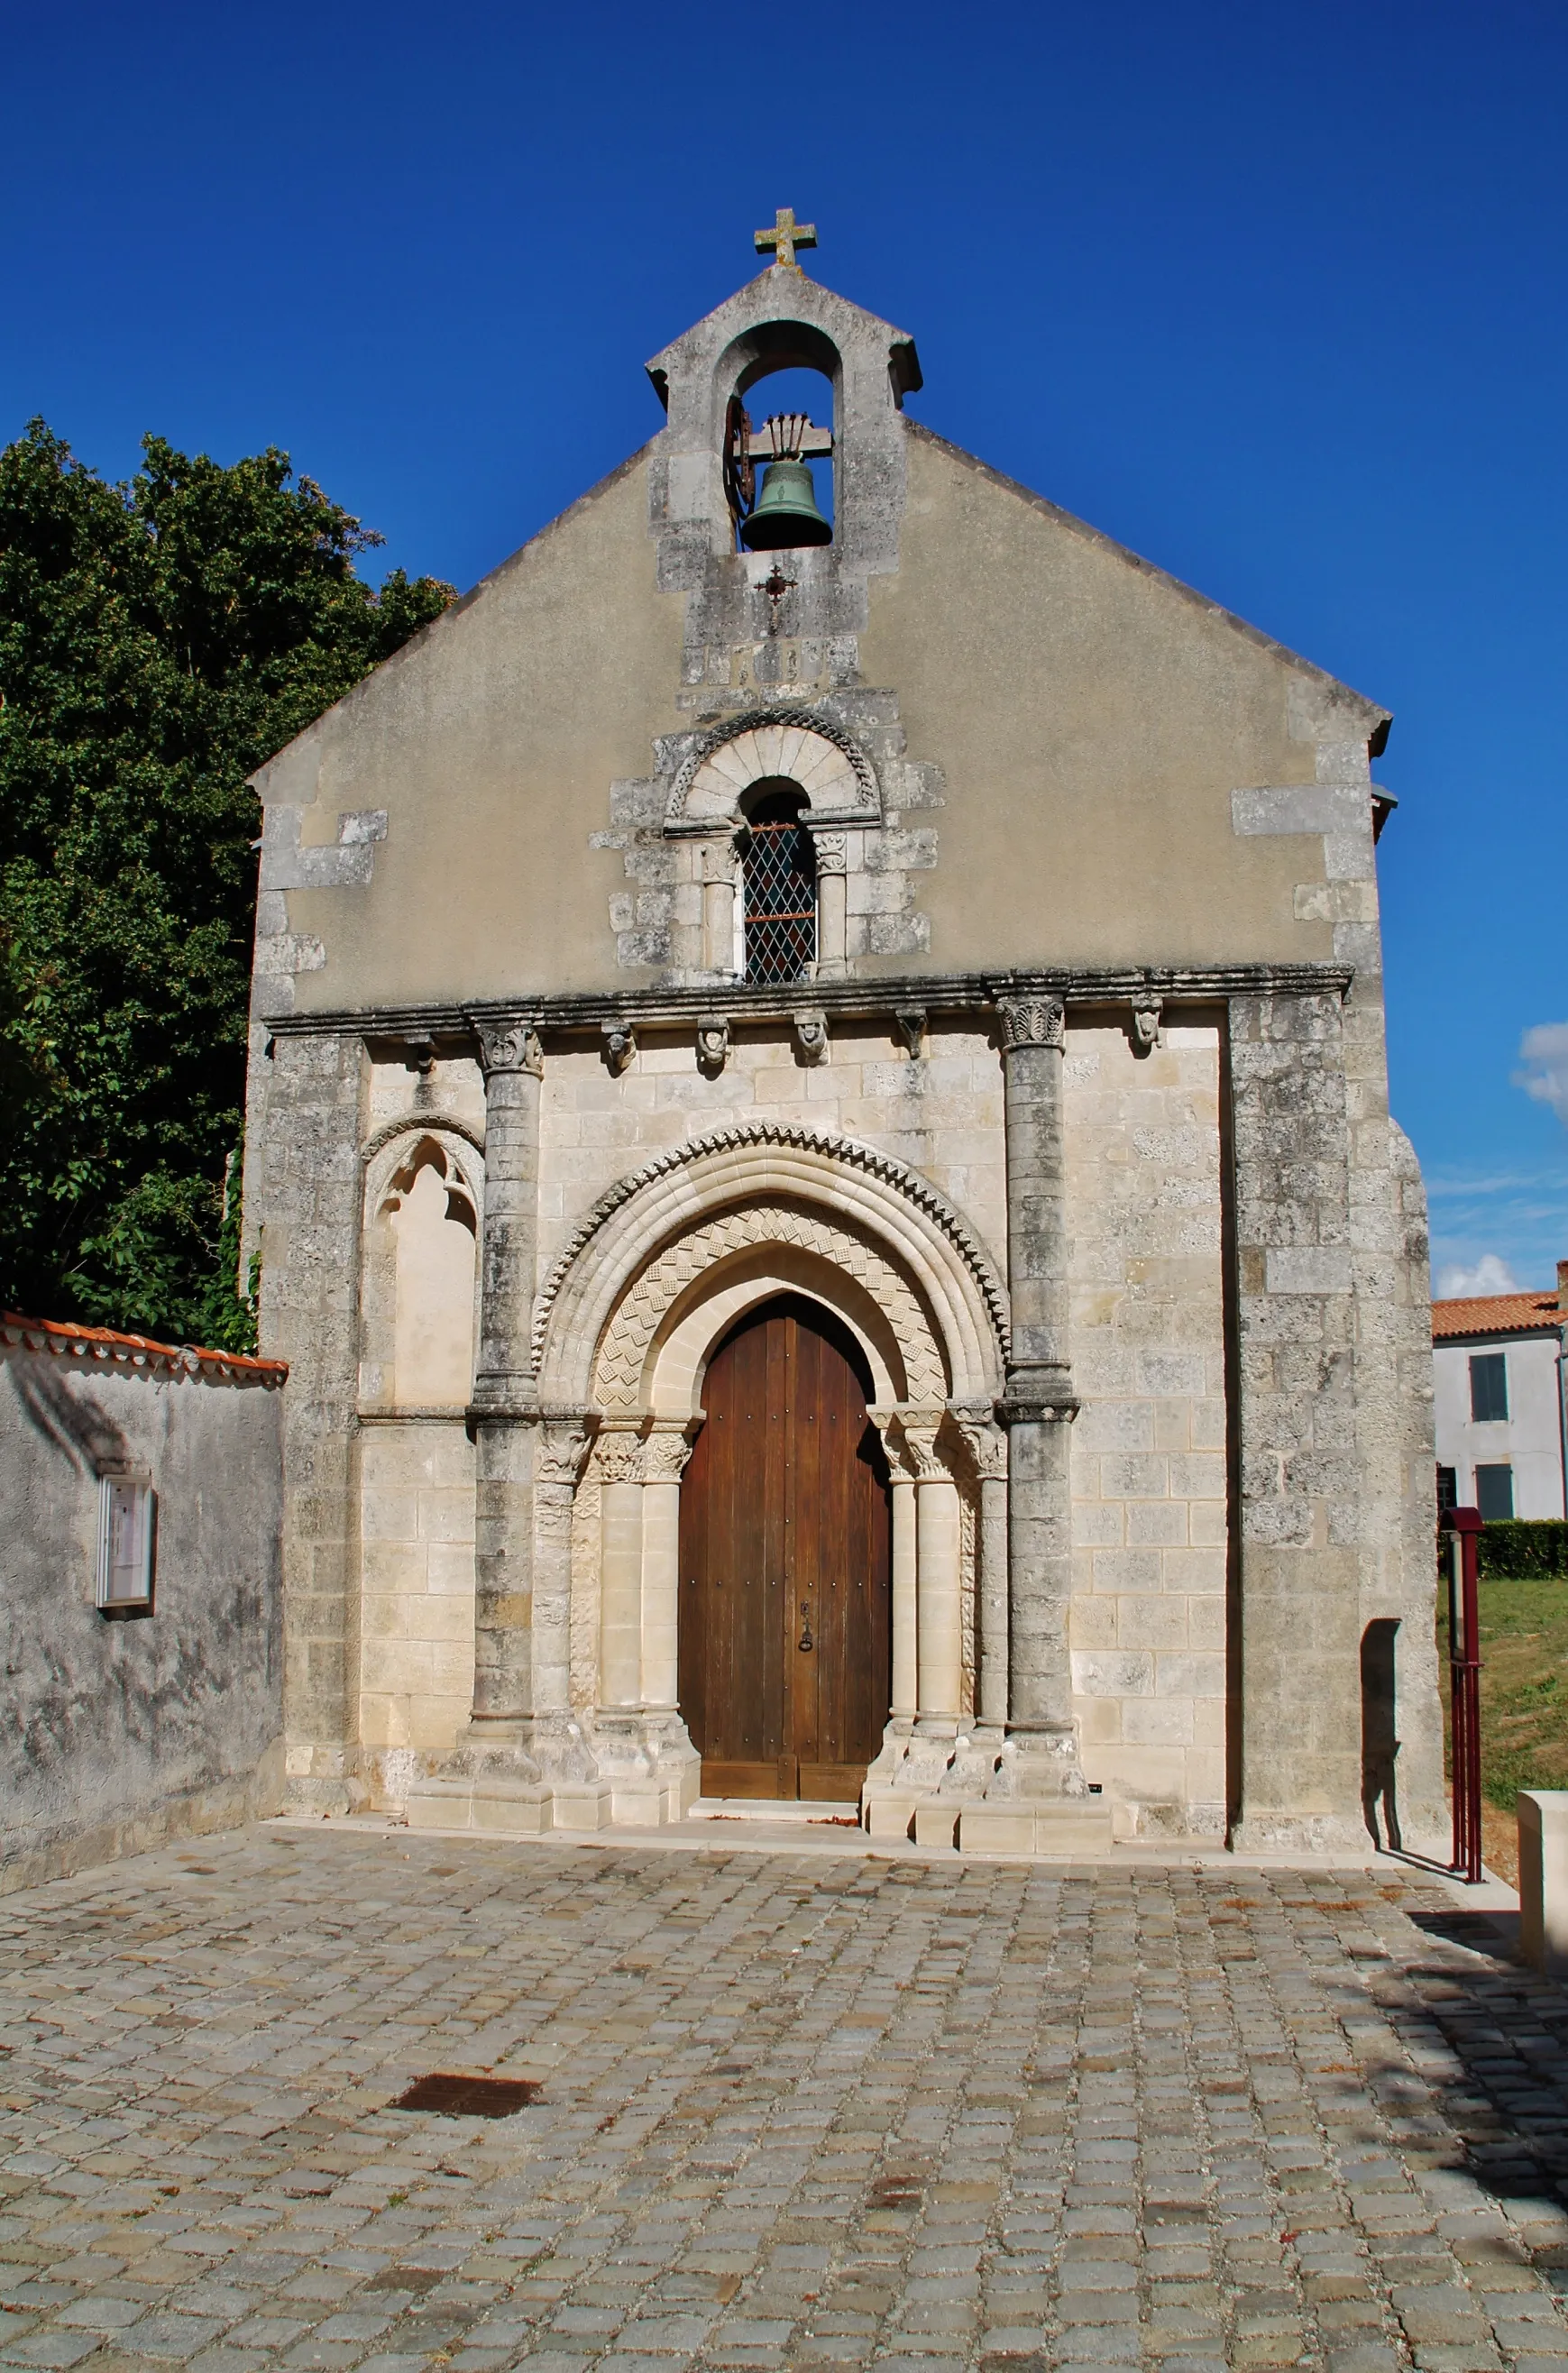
[(1543, 1878)]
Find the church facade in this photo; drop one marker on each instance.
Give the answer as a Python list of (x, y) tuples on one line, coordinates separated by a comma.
[(819, 1147)]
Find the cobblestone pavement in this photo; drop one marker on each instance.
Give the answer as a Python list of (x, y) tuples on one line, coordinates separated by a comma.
[(794, 2111)]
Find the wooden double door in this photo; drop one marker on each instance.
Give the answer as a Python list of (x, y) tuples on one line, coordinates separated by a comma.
[(786, 1621)]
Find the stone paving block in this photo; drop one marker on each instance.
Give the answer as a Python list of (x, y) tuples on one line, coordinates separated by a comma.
[(803, 2112)]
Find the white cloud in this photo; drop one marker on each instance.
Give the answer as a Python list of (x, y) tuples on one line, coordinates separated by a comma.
[(1544, 1053), (1490, 1275)]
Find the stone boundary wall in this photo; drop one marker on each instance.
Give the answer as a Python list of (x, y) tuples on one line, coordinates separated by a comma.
[(129, 1729)]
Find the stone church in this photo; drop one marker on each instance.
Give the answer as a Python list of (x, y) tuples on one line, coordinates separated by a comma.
[(820, 1154)]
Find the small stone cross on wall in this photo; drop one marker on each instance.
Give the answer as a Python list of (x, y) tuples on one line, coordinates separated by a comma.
[(785, 237)]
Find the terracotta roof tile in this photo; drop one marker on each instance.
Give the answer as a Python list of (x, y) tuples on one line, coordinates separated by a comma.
[(1495, 1313), (133, 1351)]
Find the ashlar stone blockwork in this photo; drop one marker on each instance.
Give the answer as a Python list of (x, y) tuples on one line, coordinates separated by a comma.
[(1149, 1465)]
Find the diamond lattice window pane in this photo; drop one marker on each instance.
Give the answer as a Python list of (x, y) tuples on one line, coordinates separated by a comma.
[(781, 886)]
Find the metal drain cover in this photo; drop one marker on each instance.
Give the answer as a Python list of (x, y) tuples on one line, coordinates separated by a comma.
[(450, 2096)]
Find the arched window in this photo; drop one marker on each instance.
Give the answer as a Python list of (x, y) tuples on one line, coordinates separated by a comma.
[(778, 871)]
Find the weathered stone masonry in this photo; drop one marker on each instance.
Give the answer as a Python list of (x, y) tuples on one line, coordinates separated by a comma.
[(1077, 1121)]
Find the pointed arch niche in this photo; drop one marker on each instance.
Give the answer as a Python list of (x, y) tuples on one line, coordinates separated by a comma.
[(424, 1196), (423, 1203)]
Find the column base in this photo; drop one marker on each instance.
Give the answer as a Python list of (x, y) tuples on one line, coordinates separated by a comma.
[(518, 1779), (1037, 1801), (1277, 1832), (646, 1759), (637, 1770), (1066, 1826)]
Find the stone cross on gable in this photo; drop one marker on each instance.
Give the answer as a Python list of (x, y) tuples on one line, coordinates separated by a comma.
[(785, 237)]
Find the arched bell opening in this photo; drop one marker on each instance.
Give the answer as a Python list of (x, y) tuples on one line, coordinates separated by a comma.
[(779, 463)]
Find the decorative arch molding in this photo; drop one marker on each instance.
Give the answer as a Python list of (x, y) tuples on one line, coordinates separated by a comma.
[(382, 1155), (832, 769), (436, 1124), (888, 1207), (723, 1266)]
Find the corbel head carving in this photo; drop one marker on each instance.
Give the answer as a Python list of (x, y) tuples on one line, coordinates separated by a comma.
[(620, 1045), (811, 1035), (713, 1043), (1146, 1025), (910, 1020)]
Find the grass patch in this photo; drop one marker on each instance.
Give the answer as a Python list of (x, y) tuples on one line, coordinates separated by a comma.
[(1524, 1701)]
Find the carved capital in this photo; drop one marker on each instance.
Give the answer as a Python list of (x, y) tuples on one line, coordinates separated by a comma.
[(620, 1044), (716, 862), (1032, 1021), (986, 1444), (919, 1429), (617, 1456), (910, 1020), (1146, 1015), (564, 1444), (713, 1042), (811, 1035), (509, 1045), (889, 1425), (665, 1454), (832, 851)]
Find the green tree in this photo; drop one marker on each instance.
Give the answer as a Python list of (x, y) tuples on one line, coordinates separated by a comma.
[(157, 641)]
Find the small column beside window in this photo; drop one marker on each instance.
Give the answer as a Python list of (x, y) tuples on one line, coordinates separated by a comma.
[(831, 850)]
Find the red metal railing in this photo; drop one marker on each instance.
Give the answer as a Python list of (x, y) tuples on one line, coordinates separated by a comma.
[(1461, 1529)]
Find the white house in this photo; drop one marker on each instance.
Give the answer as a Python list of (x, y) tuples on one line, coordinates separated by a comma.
[(1502, 1415)]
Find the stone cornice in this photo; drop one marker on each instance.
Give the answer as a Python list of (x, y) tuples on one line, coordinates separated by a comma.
[(872, 998)]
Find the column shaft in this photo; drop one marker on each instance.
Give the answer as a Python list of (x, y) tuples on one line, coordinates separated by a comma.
[(991, 1550), (832, 921), (940, 1633), (563, 1441), (620, 1599), (504, 1414), (1039, 1403), (905, 1585), (718, 924)]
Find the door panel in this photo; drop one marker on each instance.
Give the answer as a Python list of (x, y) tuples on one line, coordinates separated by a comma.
[(786, 1585)]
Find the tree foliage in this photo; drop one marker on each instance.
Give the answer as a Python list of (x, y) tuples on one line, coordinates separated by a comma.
[(158, 640)]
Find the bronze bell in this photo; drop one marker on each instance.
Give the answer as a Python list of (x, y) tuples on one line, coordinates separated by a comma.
[(786, 512)]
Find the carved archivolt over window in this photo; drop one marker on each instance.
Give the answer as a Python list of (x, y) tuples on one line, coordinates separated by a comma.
[(423, 1203), (834, 775)]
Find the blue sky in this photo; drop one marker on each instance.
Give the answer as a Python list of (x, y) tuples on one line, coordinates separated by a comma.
[(1274, 294)]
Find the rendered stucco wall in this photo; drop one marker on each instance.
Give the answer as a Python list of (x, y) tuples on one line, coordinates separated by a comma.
[(127, 1731)]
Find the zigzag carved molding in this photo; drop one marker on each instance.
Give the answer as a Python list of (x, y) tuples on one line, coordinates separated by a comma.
[(739, 1135)]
